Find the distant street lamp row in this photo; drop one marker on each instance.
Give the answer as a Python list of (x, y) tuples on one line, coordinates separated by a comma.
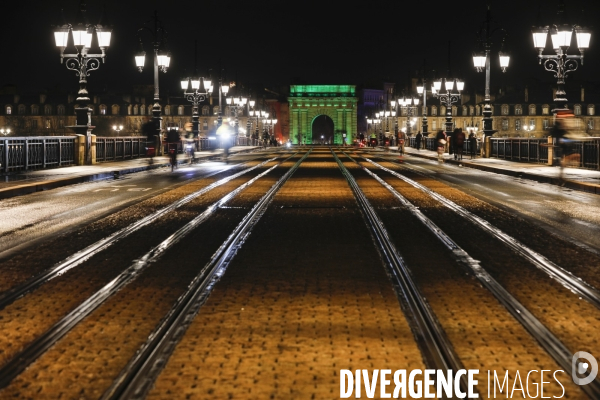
[(560, 64)]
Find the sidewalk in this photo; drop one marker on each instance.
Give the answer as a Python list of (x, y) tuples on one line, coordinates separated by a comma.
[(574, 178), (46, 179)]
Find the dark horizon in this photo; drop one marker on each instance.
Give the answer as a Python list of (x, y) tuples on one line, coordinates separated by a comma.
[(268, 45)]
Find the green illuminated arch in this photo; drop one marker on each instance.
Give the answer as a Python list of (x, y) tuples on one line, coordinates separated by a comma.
[(307, 102)]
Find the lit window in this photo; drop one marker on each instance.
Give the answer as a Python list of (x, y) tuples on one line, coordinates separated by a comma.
[(167, 110), (115, 109), (454, 110), (590, 124), (180, 110), (102, 109), (433, 110), (47, 124), (135, 110), (464, 110), (532, 109), (577, 109), (517, 125), (205, 110), (8, 110), (504, 109), (545, 109), (591, 109), (518, 110), (546, 124), (504, 124)]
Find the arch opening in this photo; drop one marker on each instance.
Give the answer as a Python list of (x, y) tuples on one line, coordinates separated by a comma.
[(322, 130)]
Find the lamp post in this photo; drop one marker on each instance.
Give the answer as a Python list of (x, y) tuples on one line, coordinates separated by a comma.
[(481, 61), (235, 103), (196, 90), (269, 126), (422, 89), (83, 62), (561, 63), (449, 97), (409, 105), (250, 106), (5, 132), (258, 114), (162, 60), (117, 128)]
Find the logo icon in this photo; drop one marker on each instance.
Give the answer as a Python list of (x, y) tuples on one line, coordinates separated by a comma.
[(580, 368)]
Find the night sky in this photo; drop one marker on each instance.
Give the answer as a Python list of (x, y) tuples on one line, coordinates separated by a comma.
[(274, 43)]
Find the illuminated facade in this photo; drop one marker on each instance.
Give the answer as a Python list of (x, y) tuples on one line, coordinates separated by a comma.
[(307, 102)]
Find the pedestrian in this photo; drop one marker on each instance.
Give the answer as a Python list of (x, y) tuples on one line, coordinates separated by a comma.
[(472, 144), (441, 139), (459, 143), (401, 141), (418, 139)]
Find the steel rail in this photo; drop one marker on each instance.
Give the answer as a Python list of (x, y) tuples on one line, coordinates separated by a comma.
[(42, 343), (81, 256), (136, 379), (431, 338), (564, 277), (554, 346)]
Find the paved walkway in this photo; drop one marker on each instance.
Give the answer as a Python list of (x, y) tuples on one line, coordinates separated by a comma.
[(574, 178), (35, 181)]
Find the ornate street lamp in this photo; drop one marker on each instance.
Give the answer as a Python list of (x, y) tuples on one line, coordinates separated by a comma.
[(235, 103), (82, 62), (162, 60), (450, 95), (481, 61), (561, 63), (196, 90), (5, 132), (410, 107), (117, 128), (258, 114), (250, 107)]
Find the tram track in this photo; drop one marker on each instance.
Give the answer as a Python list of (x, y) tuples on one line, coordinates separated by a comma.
[(554, 271), (45, 341), (58, 330), (81, 256), (437, 349), (550, 342), (135, 380)]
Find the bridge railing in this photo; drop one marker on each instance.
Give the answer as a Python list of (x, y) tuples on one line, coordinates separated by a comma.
[(581, 152), (120, 148), (32, 152)]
